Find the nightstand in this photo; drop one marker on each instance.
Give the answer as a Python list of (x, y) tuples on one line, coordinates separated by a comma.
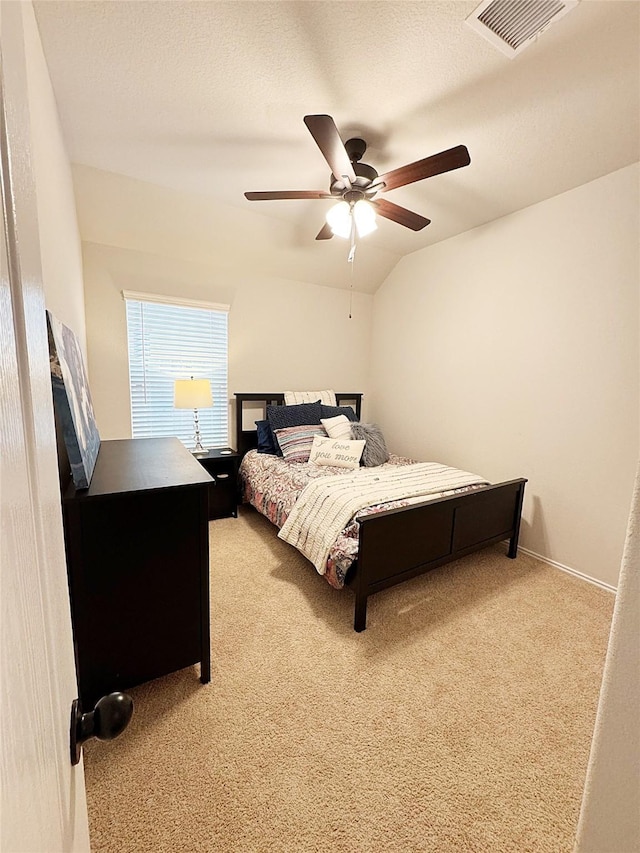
[(222, 464)]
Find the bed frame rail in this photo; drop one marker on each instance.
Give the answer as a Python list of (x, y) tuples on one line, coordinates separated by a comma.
[(399, 544)]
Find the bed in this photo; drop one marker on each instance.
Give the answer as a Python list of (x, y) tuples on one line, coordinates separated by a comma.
[(413, 529)]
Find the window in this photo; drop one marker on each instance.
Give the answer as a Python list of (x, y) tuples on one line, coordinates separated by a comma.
[(176, 339)]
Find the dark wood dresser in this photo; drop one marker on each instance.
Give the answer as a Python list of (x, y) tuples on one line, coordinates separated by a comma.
[(137, 545)]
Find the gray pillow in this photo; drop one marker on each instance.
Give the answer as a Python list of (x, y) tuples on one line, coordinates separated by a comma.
[(375, 450)]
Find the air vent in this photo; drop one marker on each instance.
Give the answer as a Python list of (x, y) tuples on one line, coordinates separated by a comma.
[(512, 25)]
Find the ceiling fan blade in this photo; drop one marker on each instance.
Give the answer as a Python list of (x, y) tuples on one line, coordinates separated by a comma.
[(268, 196), (325, 232), (445, 161), (400, 214), (325, 133)]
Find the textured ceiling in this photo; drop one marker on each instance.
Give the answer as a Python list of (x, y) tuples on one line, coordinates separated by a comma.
[(209, 97)]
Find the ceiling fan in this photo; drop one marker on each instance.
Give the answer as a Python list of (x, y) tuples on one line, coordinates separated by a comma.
[(353, 182)]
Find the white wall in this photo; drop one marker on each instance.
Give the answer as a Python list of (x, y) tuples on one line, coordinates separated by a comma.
[(282, 334), (60, 246), (512, 350), (43, 797), (610, 814)]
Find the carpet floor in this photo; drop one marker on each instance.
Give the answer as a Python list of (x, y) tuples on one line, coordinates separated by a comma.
[(460, 720)]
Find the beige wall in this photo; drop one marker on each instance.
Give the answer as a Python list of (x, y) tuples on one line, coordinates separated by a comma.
[(116, 210), (285, 331), (60, 246), (279, 334), (512, 350)]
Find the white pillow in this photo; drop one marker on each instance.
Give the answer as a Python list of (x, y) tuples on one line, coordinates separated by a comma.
[(338, 427), (293, 398), (336, 452)]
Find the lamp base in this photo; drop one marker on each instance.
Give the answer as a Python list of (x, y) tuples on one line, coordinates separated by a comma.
[(198, 450)]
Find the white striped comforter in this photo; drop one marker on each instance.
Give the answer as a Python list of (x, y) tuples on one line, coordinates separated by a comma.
[(327, 504)]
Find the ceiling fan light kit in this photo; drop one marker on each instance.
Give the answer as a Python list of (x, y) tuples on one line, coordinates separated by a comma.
[(364, 216), (339, 219), (356, 185), (345, 215)]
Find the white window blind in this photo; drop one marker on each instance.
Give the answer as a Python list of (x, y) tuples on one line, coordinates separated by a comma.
[(171, 340)]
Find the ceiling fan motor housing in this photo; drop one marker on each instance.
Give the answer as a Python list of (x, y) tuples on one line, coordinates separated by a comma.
[(355, 148), (365, 175)]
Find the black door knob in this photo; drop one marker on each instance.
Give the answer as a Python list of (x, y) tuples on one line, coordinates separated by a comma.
[(109, 718)]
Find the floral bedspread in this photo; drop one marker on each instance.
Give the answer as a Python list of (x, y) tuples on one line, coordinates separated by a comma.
[(272, 485)]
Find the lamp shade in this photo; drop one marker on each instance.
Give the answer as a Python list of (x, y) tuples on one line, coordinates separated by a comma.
[(192, 394)]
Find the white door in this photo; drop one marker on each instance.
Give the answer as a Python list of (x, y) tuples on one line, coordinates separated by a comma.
[(43, 808)]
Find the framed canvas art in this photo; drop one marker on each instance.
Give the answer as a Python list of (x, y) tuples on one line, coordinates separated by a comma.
[(72, 401)]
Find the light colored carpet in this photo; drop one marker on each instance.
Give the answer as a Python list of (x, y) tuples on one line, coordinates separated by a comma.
[(460, 720)]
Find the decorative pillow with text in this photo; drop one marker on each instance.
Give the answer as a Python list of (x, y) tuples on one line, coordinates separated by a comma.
[(336, 452)]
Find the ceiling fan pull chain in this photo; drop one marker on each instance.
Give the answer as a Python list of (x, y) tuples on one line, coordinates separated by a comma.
[(352, 250), (351, 293), (350, 260)]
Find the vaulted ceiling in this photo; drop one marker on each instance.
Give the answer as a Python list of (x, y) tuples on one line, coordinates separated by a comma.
[(208, 98)]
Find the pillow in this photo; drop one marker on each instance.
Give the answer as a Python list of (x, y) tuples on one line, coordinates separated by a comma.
[(280, 417), (375, 450), (336, 452), (295, 442), (338, 427), (334, 411), (266, 443), (291, 398)]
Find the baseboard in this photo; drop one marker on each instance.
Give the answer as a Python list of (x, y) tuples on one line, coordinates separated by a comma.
[(570, 571)]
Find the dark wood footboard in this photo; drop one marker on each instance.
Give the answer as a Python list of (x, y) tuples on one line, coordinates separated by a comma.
[(399, 544)]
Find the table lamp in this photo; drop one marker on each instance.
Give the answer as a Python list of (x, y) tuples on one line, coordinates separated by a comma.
[(193, 394)]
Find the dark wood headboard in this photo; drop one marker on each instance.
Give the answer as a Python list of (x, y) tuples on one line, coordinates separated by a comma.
[(247, 439)]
